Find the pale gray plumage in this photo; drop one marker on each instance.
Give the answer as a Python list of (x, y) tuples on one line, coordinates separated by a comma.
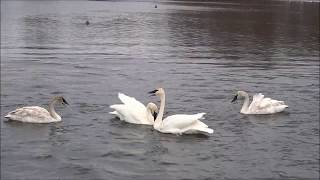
[(36, 114)]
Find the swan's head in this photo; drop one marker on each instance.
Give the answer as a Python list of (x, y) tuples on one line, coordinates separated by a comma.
[(157, 92), (153, 109), (60, 100), (239, 93)]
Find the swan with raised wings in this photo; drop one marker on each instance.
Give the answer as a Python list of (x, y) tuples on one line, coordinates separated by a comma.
[(36, 114), (259, 104), (181, 123), (133, 111)]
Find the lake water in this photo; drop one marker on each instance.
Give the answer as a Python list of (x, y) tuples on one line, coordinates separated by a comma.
[(200, 52)]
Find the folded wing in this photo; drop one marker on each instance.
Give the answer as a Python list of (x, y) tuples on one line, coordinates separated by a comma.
[(182, 121), (260, 104)]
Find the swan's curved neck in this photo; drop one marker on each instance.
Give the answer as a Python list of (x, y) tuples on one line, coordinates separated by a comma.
[(158, 120), (245, 105), (150, 115), (52, 111)]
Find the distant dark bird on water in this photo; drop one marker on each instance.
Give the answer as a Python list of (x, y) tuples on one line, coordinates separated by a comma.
[(87, 23), (155, 6)]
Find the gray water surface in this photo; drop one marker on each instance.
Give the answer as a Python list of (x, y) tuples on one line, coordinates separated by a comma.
[(201, 53)]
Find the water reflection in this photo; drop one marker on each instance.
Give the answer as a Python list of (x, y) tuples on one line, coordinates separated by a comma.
[(259, 36), (41, 30)]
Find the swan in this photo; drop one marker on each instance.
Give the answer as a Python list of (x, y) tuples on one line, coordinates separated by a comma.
[(180, 123), (259, 104), (36, 114), (133, 111)]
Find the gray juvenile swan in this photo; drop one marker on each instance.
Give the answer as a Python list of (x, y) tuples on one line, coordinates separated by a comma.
[(36, 114)]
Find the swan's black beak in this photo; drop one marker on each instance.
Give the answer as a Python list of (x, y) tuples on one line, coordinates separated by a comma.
[(155, 114), (64, 101), (152, 93), (234, 98)]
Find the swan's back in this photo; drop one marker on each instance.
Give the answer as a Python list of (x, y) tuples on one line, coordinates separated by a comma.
[(185, 124), (32, 114), (182, 121), (262, 105)]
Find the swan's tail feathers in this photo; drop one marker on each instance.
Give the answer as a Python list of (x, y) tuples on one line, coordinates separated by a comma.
[(114, 112), (280, 108), (117, 112), (209, 130), (200, 127), (200, 116), (206, 131), (115, 106), (10, 114), (201, 124), (284, 106)]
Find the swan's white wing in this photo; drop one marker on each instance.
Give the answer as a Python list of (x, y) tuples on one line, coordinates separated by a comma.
[(137, 110), (261, 105), (257, 98), (131, 110), (182, 121), (124, 114), (132, 102), (268, 102), (30, 114)]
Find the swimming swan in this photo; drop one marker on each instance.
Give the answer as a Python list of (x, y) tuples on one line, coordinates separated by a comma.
[(133, 111), (180, 123), (259, 104), (36, 114)]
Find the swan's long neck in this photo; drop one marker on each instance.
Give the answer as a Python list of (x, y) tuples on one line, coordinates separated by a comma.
[(245, 105), (52, 111), (158, 121), (150, 115)]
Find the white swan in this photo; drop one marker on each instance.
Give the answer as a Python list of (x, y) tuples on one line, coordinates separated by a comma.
[(259, 104), (133, 111), (36, 114), (180, 123)]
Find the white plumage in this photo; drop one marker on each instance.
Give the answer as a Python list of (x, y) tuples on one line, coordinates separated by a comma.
[(133, 111), (260, 104), (185, 124), (180, 123)]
